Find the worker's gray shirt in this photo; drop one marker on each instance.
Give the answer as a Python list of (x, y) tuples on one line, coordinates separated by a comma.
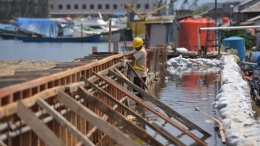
[(140, 56)]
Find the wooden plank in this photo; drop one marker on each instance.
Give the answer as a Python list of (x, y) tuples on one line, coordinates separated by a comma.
[(44, 80), (175, 140), (91, 117), (73, 87), (2, 143), (40, 129), (150, 108), (11, 108), (66, 124), (161, 105), (167, 136), (137, 131), (105, 117)]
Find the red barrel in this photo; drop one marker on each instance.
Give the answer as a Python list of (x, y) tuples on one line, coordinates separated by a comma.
[(188, 33), (225, 20)]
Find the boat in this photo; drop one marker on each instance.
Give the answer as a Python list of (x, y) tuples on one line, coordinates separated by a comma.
[(47, 30), (7, 31), (91, 38), (97, 26)]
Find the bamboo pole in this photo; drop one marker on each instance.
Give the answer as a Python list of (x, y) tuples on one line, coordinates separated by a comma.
[(203, 65), (141, 80), (221, 127)]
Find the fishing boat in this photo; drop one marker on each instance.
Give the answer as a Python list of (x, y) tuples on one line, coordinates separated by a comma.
[(96, 26), (47, 30), (91, 38), (7, 31)]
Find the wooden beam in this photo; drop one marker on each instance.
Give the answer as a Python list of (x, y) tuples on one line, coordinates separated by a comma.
[(175, 140), (2, 143), (91, 117), (63, 122), (137, 131), (150, 108), (167, 136), (11, 108), (8, 91), (105, 117), (39, 128), (160, 104)]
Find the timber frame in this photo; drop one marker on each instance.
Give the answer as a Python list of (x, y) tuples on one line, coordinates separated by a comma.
[(85, 106)]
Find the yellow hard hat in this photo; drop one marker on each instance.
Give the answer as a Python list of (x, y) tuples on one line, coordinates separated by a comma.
[(137, 42)]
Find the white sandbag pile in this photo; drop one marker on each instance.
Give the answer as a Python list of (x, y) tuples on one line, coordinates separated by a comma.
[(234, 106), (179, 61), (182, 66), (185, 70)]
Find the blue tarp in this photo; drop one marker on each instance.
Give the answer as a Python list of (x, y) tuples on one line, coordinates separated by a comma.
[(119, 14), (45, 27)]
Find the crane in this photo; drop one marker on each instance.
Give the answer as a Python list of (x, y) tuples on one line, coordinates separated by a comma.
[(186, 8)]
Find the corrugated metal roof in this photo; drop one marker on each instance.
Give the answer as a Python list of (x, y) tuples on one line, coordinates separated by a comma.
[(245, 2), (247, 23), (253, 8), (254, 18)]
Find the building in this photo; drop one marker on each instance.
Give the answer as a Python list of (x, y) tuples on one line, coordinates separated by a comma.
[(61, 8), (246, 10), (228, 6), (220, 14), (212, 5)]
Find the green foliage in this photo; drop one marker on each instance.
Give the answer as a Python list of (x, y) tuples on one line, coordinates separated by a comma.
[(202, 9), (240, 33)]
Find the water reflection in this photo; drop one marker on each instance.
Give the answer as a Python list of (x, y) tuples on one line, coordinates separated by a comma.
[(184, 90)]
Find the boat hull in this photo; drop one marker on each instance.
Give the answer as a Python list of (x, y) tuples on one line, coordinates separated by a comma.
[(7, 36), (114, 37), (93, 38)]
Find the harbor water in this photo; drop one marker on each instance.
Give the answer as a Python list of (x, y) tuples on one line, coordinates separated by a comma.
[(181, 93), (15, 49)]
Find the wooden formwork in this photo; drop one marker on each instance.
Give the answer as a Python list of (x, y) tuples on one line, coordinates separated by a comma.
[(83, 105)]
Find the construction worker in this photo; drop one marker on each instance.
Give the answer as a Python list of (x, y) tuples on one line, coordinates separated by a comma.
[(140, 59)]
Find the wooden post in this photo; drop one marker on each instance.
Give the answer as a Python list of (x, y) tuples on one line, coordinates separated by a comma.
[(109, 43), (161, 131), (65, 123), (94, 119), (39, 128), (81, 28), (94, 49), (120, 119), (115, 47)]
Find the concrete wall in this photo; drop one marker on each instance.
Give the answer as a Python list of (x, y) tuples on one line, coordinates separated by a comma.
[(95, 6)]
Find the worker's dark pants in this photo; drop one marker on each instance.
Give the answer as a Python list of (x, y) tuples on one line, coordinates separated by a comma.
[(139, 84)]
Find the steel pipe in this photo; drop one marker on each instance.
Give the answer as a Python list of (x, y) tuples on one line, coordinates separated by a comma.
[(222, 28)]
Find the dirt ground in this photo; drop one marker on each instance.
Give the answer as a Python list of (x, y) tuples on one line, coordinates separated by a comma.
[(8, 67)]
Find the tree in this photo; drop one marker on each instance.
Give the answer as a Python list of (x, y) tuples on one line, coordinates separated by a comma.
[(202, 9), (241, 33)]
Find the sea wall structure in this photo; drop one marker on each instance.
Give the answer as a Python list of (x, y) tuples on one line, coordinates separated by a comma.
[(88, 105), (234, 106)]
